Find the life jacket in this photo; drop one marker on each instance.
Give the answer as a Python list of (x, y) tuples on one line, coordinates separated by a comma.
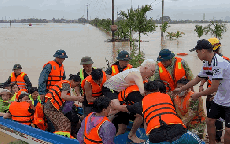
[(158, 110), (56, 74), (19, 79), (20, 113), (123, 94), (96, 89), (38, 99), (179, 72), (54, 95), (93, 136), (82, 74), (116, 71), (39, 117), (183, 108), (15, 97)]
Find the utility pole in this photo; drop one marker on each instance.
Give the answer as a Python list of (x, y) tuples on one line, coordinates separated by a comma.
[(87, 12), (162, 22), (112, 19)]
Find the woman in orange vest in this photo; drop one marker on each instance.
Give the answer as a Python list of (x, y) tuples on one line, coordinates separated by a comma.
[(92, 87), (96, 128), (161, 121), (57, 102), (22, 110), (191, 112)]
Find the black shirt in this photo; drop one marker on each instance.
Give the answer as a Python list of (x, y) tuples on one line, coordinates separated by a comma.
[(135, 108), (109, 70)]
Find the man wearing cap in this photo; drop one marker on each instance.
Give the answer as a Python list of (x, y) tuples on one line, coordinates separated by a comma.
[(121, 65), (170, 69), (52, 73), (5, 102), (217, 69), (19, 77)]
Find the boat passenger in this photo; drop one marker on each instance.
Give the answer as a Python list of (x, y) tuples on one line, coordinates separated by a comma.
[(20, 77), (56, 98), (5, 102), (96, 127), (191, 112), (34, 96), (7, 86), (162, 125)]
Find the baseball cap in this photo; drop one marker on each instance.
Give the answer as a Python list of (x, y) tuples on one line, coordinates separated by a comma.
[(202, 44)]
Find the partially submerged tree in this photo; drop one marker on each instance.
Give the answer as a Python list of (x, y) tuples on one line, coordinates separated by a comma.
[(216, 29), (199, 30), (164, 27)]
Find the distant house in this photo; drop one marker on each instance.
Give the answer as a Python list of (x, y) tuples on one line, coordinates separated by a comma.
[(165, 19)]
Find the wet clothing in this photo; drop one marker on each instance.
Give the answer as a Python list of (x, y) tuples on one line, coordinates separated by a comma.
[(107, 131), (4, 106), (42, 81), (170, 69), (26, 79)]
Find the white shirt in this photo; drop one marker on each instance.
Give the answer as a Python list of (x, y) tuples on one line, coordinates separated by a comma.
[(219, 69)]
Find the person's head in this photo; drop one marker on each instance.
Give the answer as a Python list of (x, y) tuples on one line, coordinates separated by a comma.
[(34, 92), (123, 58), (151, 87), (23, 97), (7, 86), (60, 56), (204, 49), (17, 69), (14, 87), (216, 44), (181, 83), (97, 76), (147, 68), (161, 86), (165, 57), (6, 95), (75, 80), (87, 63), (102, 105)]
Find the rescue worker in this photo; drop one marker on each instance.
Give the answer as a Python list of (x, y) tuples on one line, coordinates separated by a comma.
[(209, 100), (96, 127), (121, 65), (162, 125), (56, 100), (19, 77), (170, 69), (217, 69), (92, 88), (22, 110), (52, 72), (5, 102), (122, 80), (191, 112)]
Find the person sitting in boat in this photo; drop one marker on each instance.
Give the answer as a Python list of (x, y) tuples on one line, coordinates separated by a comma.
[(161, 121), (57, 99), (7, 86), (93, 88), (17, 94), (20, 77), (191, 112), (22, 110), (34, 96), (5, 102), (170, 69), (96, 127)]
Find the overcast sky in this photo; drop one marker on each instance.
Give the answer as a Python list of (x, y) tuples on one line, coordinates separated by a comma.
[(74, 9)]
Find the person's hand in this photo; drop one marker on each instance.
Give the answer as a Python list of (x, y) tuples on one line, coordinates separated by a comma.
[(195, 96), (201, 88), (29, 101), (42, 97), (80, 99), (176, 91), (10, 102)]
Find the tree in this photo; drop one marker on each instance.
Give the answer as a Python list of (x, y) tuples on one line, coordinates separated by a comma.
[(122, 30), (164, 27), (199, 29), (216, 29)]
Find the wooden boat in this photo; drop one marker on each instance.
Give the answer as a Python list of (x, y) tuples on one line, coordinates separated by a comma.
[(182, 54)]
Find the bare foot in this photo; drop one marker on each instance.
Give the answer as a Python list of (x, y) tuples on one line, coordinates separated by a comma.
[(135, 139)]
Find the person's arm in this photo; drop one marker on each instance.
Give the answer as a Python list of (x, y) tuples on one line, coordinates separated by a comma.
[(201, 87), (43, 79), (139, 82), (80, 134), (88, 92), (7, 115), (28, 83), (64, 76), (107, 132), (8, 81)]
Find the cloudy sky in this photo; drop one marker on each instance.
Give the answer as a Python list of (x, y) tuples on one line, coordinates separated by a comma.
[(74, 9)]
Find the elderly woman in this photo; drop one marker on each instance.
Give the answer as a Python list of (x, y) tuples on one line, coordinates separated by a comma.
[(5, 102)]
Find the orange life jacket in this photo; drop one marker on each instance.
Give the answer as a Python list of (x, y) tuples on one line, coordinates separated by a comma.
[(55, 75), (116, 71), (123, 94), (96, 89), (39, 117), (20, 113), (54, 94), (183, 108), (179, 72), (19, 79), (20, 92), (158, 109), (93, 136)]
